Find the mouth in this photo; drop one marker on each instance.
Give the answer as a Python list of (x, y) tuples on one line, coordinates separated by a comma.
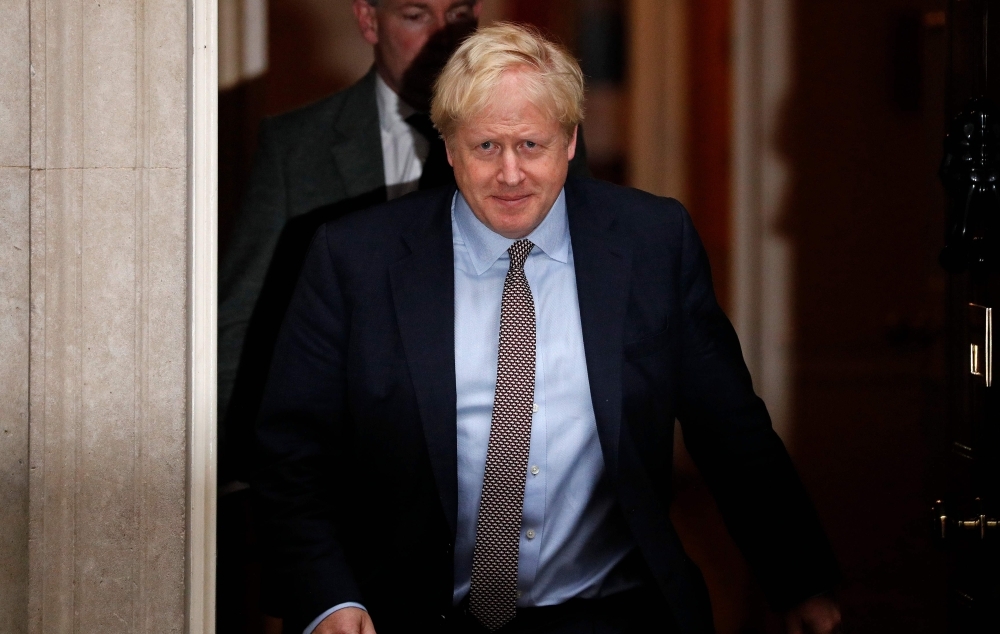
[(510, 200)]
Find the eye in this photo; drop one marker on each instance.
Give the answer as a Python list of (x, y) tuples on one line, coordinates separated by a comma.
[(459, 14), (530, 145), (413, 16), (486, 145)]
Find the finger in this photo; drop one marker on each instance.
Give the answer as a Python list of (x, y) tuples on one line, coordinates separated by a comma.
[(367, 627)]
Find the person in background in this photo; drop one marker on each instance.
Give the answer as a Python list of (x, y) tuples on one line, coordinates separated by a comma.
[(468, 426)]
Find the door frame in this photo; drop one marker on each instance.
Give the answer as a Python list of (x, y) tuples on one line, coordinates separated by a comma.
[(203, 92), (762, 277)]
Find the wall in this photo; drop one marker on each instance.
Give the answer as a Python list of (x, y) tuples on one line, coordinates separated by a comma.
[(14, 298), (94, 161)]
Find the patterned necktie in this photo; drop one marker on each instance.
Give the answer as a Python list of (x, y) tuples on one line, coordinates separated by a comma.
[(493, 591), (436, 171)]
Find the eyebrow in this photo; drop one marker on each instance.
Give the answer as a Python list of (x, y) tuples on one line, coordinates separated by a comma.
[(424, 5)]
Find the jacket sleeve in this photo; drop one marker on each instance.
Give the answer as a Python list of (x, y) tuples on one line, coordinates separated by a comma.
[(298, 434), (728, 433), (244, 265)]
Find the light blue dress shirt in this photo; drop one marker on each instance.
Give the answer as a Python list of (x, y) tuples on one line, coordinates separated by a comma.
[(571, 538)]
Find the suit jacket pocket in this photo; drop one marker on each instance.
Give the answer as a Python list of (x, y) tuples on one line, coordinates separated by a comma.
[(648, 345)]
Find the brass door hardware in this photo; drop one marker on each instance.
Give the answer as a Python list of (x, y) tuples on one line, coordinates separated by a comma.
[(981, 344), (946, 526)]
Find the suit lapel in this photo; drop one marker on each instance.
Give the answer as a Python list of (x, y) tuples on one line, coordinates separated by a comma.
[(357, 142), (423, 289), (603, 264)]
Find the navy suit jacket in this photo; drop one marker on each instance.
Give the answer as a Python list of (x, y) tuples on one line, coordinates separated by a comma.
[(357, 429)]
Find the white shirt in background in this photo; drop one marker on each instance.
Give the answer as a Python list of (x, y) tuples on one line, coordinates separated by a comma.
[(404, 150)]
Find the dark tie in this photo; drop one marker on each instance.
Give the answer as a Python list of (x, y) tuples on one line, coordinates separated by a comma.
[(436, 171), (493, 589)]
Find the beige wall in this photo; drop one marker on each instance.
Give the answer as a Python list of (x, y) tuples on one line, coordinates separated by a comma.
[(94, 213), (14, 159)]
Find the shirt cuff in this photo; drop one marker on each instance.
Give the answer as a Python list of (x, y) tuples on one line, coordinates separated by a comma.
[(339, 606)]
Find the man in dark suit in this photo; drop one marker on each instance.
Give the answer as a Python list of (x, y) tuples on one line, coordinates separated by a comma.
[(468, 424), (369, 143)]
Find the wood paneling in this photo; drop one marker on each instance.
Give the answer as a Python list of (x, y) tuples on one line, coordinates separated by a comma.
[(709, 130)]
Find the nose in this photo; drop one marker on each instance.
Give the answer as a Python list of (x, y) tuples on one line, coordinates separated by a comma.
[(510, 173), (440, 21)]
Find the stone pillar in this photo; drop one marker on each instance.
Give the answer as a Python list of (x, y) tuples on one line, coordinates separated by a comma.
[(95, 302), (14, 250)]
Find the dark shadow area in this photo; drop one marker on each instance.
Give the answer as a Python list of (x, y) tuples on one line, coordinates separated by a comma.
[(237, 595), (262, 332), (240, 583), (865, 216), (418, 80), (240, 111)]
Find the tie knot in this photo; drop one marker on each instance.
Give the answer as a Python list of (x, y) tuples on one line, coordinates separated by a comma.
[(519, 253), (421, 122)]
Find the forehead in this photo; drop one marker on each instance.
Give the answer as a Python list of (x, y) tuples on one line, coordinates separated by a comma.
[(512, 114), (515, 101)]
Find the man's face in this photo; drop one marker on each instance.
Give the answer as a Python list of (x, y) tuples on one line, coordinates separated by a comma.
[(511, 161), (413, 39)]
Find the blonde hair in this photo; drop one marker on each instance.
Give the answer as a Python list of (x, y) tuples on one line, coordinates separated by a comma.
[(470, 79)]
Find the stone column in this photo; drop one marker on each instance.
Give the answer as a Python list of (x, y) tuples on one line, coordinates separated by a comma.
[(95, 304), (14, 227)]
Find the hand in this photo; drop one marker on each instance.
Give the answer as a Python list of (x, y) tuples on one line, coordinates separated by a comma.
[(346, 621), (818, 615)]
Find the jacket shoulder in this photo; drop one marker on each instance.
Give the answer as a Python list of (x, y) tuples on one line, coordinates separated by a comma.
[(306, 121), (632, 209), (379, 229)]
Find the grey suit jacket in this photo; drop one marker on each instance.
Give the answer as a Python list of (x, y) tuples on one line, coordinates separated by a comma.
[(322, 154)]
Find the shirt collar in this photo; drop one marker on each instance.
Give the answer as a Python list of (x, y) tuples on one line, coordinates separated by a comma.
[(392, 111), (486, 247)]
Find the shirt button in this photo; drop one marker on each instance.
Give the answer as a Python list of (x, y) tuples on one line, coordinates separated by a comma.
[(517, 594), (530, 534), (534, 407), (534, 469)]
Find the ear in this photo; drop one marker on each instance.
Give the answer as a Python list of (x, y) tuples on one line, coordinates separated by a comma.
[(448, 152), (571, 146), (477, 9), (367, 22)]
